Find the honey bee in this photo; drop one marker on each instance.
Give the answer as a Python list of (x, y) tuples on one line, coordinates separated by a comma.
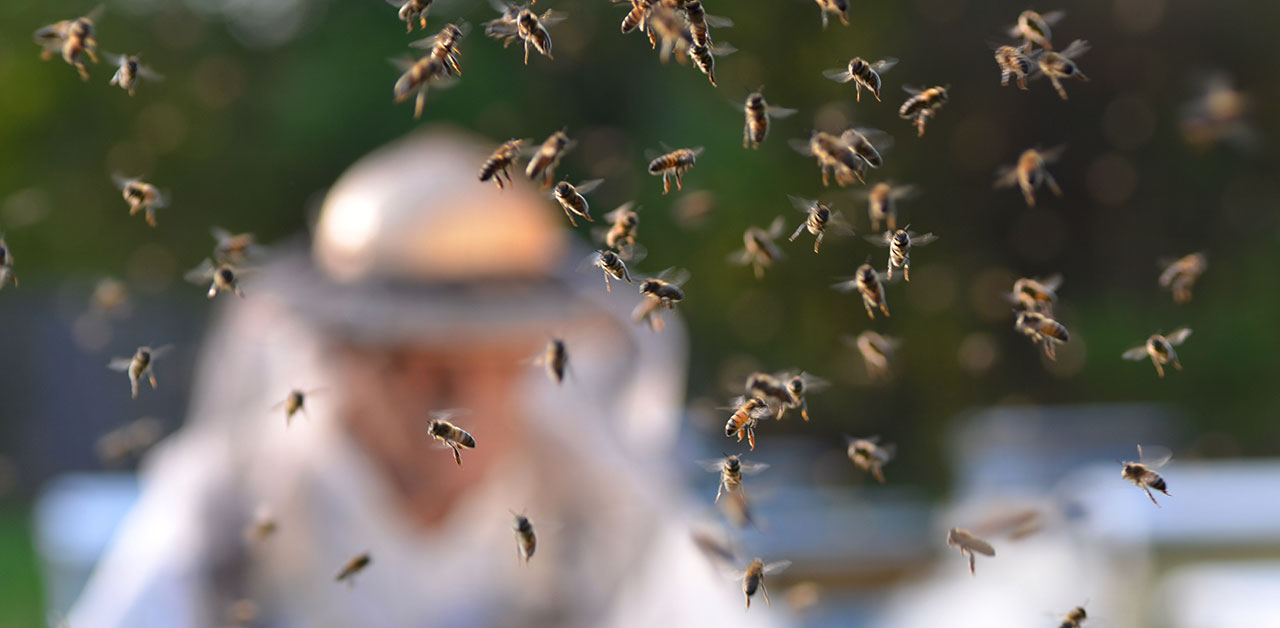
[(862, 146), (705, 57), (526, 540), (140, 365), (637, 16), (141, 196), (839, 8), (753, 578), (73, 39), (128, 441), (1033, 28), (699, 21), (758, 113), (867, 282), (900, 243), (1219, 112), (128, 70), (674, 164), (882, 203), (649, 311), (499, 163), (666, 23), (624, 223), (820, 221), (666, 287), (747, 413), (1030, 173), (263, 526), (1074, 618), (294, 403), (1060, 65), (415, 79), (1042, 330), (527, 26), (969, 545), (233, 248), (863, 74), (222, 277), (572, 198), (759, 249), (1143, 472), (870, 456), (1180, 275), (877, 352), (1014, 64), (413, 11), (545, 160), (797, 386), (443, 47), (770, 389), (612, 265), (353, 567), (731, 470), (6, 265), (1160, 349), (834, 157), (922, 105), (1036, 295), (450, 435), (555, 358)]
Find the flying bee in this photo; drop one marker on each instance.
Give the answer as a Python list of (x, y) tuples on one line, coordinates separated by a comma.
[(1033, 28), (797, 386), (705, 57), (612, 265), (667, 24), (882, 203), (877, 352), (555, 359), (1060, 65), (731, 470), (141, 196), (128, 441), (139, 365), (666, 287), (649, 311), (1042, 330), (73, 39), (770, 389), (353, 567), (1036, 295), (753, 578), (6, 265), (1143, 472), (759, 249), (969, 545), (758, 113), (900, 243), (527, 26), (526, 540), (450, 435), (233, 248), (747, 413), (1219, 112), (222, 277), (572, 198), (1014, 64), (858, 141), (674, 164), (444, 47), (416, 78), (1180, 275), (863, 74), (922, 105), (867, 282), (699, 23), (128, 70), (819, 221), (1160, 350), (624, 223), (1030, 173), (839, 8), (870, 456), (413, 11), (834, 157), (499, 163), (637, 16), (544, 161), (1074, 618), (295, 402)]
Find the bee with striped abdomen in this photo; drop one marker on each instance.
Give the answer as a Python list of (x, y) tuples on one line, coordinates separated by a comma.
[(731, 469), (1030, 173), (72, 39), (922, 105), (545, 160), (863, 74), (1180, 275), (869, 455), (1014, 64), (674, 164), (705, 57), (139, 366), (969, 545), (141, 196), (637, 16), (412, 11), (499, 163), (128, 70), (770, 389), (758, 114), (699, 23), (1036, 295), (1160, 349), (834, 156), (1033, 28), (753, 578), (747, 413), (1143, 472), (452, 436), (666, 287), (415, 79), (612, 265), (1061, 65), (759, 249), (900, 243), (1074, 618), (867, 144), (866, 281), (443, 47), (555, 359), (529, 27), (820, 220), (624, 224), (573, 200), (1042, 330)]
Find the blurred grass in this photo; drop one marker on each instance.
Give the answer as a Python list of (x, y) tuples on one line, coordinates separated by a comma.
[(21, 595)]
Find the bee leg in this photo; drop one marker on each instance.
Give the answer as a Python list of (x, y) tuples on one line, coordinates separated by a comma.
[(680, 178), (857, 90), (133, 385), (607, 288), (765, 590), (824, 27), (884, 307), (759, 268), (817, 242), (825, 179), (719, 489), (746, 136), (804, 410), (1159, 367), (1177, 364), (1029, 195), (1052, 183), (906, 271), (1022, 83), (213, 290), (870, 313), (151, 377), (971, 559), (666, 183), (526, 52), (879, 475), (751, 439), (91, 47), (419, 102), (457, 455), (1153, 497)]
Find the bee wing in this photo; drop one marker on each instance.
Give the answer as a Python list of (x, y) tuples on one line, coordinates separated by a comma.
[(713, 465), (838, 74), (776, 227), (922, 240), (1136, 353), (402, 63), (813, 383), (880, 239), (588, 263), (802, 204), (980, 546), (551, 16), (885, 453), (779, 112), (426, 43), (1050, 155), (848, 284), (1052, 283), (1179, 336), (586, 187), (1053, 17), (120, 364), (911, 89), (881, 140), (219, 234), (734, 403), (1006, 177), (717, 21), (396, 3), (448, 414), (500, 6), (884, 65), (279, 405), (200, 274), (151, 75), (621, 209), (722, 49), (776, 567), (902, 192), (740, 257), (160, 351), (674, 276), (800, 145), (121, 181), (1154, 456), (752, 468), (1077, 48)]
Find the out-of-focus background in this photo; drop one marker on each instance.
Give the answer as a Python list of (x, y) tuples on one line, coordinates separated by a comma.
[(264, 103)]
